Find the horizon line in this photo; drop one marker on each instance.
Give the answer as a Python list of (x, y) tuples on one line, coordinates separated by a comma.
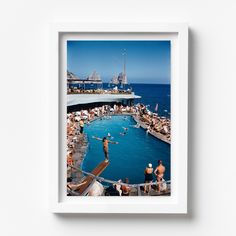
[(143, 83)]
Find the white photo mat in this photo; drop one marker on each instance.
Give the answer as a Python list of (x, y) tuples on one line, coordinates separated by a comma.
[(178, 35)]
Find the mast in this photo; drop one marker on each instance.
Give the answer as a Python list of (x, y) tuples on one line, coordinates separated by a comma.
[(125, 78), (124, 62)]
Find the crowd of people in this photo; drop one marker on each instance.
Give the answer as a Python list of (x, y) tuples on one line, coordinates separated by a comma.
[(75, 90), (153, 123)]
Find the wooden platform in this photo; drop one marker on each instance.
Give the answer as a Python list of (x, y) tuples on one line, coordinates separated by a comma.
[(89, 179)]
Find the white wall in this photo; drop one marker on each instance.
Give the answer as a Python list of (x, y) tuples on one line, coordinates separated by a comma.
[(24, 73)]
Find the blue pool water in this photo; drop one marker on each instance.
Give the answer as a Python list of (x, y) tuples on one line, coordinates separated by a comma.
[(128, 158)]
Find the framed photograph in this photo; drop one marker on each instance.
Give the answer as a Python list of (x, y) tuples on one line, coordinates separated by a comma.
[(119, 118)]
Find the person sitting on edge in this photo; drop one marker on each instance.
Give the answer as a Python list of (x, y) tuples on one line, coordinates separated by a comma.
[(159, 173), (81, 125), (125, 189), (148, 173), (118, 187), (70, 160), (148, 130), (105, 146)]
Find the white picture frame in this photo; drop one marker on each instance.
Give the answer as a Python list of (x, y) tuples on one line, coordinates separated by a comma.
[(177, 202)]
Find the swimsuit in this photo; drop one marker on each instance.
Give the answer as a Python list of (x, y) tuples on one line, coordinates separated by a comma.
[(148, 177), (160, 176)]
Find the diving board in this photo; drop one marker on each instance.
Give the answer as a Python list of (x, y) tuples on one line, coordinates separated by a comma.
[(90, 179)]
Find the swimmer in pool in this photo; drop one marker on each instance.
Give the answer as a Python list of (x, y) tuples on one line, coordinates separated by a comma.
[(136, 126), (105, 146), (109, 136), (123, 134)]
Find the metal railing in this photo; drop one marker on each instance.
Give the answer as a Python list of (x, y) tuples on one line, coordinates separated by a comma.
[(101, 179)]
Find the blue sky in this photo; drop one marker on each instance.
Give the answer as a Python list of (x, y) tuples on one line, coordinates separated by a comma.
[(146, 61)]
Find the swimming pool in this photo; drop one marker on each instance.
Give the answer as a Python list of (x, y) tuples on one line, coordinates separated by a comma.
[(128, 158)]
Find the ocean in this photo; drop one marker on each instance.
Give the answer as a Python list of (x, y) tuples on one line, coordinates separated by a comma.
[(152, 94)]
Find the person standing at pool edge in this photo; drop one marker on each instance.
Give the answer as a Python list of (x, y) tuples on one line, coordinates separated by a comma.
[(105, 146), (159, 173), (148, 178)]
